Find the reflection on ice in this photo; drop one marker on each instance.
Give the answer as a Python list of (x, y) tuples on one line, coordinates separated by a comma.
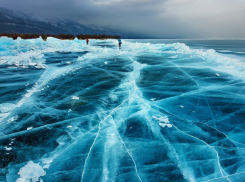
[(145, 112)]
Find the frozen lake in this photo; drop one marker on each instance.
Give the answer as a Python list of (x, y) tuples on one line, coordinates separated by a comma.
[(153, 110)]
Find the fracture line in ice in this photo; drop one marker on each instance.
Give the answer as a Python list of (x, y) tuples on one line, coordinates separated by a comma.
[(199, 122), (109, 115), (43, 127), (220, 168), (202, 89), (52, 47), (184, 132), (225, 176), (186, 74), (235, 95), (57, 152), (91, 149), (199, 87), (221, 133), (135, 86), (206, 98), (210, 111), (242, 148), (135, 166), (40, 83), (134, 82), (107, 72)]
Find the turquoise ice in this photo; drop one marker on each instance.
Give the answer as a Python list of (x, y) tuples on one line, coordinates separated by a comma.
[(154, 110)]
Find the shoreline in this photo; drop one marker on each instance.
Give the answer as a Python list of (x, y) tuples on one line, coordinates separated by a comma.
[(14, 36)]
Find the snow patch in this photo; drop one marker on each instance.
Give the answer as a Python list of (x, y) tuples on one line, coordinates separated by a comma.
[(31, 172)]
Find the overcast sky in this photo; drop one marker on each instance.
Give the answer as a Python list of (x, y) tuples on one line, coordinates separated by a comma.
[(205, 19)]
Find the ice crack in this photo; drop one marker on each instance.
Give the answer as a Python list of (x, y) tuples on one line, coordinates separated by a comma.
[(211, 147), (135, 166)]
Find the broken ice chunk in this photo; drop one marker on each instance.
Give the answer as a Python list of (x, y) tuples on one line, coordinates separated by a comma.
[(163, 125), (75, 98), (8, 149), (46, 166), (12, 119), (163, 121)]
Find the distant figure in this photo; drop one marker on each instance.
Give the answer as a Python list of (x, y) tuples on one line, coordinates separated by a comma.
[(120, 42), (87, 41)]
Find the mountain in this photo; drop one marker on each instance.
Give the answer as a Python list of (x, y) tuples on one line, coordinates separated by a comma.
[(18, 22)]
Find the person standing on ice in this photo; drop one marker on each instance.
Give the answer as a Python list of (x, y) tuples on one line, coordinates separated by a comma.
[(87, 41), (120, 42)]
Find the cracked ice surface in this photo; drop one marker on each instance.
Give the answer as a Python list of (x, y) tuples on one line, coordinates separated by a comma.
[(159, 111)]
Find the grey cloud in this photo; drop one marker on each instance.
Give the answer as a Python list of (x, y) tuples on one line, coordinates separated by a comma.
[(155, 18)]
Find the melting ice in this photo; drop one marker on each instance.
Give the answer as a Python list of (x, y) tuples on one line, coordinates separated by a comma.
[(153, 110)]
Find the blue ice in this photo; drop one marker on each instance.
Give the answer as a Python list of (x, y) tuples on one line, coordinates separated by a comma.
[(154, 110)]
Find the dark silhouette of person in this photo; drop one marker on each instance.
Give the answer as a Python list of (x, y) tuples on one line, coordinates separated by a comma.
[(87, 41), (120, 42)]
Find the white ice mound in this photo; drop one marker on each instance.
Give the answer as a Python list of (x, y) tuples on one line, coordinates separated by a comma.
[(31, 172), (163, 121), (75, 98), (230, 65)]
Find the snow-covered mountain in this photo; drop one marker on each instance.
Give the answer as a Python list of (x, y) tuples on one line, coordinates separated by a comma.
[(18, 22)]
